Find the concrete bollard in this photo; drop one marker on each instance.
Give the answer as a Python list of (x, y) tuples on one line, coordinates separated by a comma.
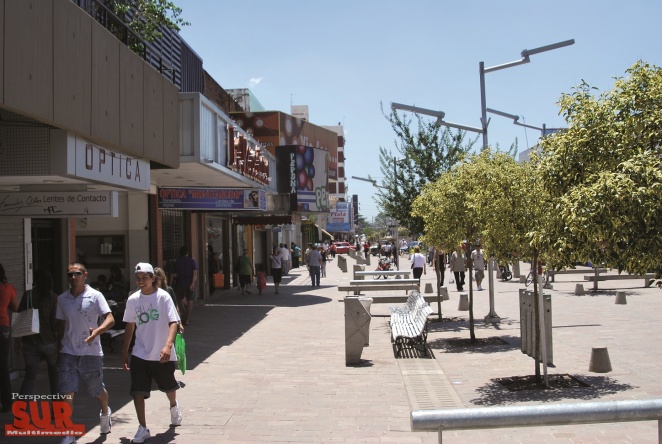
[(579, 290), (620, 298), (522, 279), (600, 362), (464, 302), (358, 268), (428, 287), (444, 294)]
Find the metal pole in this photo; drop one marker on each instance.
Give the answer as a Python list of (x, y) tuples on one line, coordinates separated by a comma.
[(492, 316)]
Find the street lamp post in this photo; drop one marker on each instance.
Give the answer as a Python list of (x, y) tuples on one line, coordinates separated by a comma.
[(492, 316), (525, 59)]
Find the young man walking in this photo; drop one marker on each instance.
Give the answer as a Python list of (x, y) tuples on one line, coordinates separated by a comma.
[(151, 313), (184, 278), (80, 364)]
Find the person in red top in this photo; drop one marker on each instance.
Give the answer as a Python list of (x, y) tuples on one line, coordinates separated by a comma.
[(8, 301)]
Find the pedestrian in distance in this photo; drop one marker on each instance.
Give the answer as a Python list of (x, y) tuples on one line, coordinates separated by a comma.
[(162, 283), (314, 266), (276, 259), (287, 258), (478, 258), (8, 301), (244, 268), (152, 315), (296, 255), (184, 280), (439, 263), (323, 253), (418, 264), (80, 364), (43, 345), (458, 265)]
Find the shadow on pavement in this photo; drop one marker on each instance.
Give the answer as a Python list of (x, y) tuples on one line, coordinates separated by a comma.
[(494, 393)]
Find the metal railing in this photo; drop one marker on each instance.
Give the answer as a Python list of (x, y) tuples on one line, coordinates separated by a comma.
[(537, 415)]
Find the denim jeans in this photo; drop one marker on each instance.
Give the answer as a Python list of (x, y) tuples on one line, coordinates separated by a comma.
[(5, 381), (33, 354)]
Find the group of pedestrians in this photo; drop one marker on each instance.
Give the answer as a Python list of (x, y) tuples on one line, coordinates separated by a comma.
[(457, 264), (69, 339)]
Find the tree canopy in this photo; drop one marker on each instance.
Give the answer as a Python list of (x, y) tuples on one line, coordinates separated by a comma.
[(604, 174), (146, 17), (421, 156)]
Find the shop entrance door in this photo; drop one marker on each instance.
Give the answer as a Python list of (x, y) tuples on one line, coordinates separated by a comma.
[(47, 250)]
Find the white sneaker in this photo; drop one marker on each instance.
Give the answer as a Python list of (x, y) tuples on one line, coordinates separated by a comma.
[(105, 422), (68, 440), (175, 415), (142, 435)]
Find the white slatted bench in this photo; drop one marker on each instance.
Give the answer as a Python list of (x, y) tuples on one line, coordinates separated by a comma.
[(357, 286), (618, 277), (409, 323)]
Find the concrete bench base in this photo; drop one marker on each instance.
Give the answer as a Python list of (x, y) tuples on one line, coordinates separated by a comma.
[(381, 287), (595, 279)]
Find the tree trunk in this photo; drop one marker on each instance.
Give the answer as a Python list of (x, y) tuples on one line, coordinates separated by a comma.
[(471, 304)]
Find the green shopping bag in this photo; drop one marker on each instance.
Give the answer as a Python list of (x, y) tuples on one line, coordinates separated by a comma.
[(180, 349)]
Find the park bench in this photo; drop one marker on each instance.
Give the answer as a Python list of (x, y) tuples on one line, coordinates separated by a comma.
[(553, 273), (357, 286), (409, 323), (395, 273), (109, 336), (618, 277)]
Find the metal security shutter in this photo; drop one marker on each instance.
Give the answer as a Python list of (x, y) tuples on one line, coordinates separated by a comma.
[(173, 237)]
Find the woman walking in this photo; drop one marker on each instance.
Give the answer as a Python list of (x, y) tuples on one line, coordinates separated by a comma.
[(276, 266), (244, 271), (418, 264)]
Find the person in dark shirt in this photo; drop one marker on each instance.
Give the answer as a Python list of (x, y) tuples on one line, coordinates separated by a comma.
[(184, 279)]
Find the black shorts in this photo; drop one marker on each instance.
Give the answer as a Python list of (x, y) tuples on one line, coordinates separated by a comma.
[(143, 372), (185, 293), (277, 274)]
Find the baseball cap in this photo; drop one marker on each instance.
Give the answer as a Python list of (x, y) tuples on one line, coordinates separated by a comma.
[(144, 267)]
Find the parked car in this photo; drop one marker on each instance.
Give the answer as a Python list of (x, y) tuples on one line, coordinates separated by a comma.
[(343, 247)]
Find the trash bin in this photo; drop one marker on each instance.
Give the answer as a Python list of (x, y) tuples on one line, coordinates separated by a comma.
[(357, 327)]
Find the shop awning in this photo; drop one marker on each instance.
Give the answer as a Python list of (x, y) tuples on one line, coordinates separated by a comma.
[(263, 220), (327, 233)]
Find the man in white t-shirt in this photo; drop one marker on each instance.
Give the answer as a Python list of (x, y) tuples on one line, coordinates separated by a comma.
[(152, 314), (285, 252), (80, 364), (478, 259)]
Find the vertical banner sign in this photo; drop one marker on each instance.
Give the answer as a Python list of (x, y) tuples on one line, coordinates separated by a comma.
[(303, 172)]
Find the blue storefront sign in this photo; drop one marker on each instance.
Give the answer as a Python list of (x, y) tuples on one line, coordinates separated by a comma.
[(219, 199)]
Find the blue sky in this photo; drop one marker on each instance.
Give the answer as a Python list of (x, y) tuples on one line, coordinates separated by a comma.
[(343, 58)]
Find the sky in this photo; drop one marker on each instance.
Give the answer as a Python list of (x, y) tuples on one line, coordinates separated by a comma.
[(349, 59)]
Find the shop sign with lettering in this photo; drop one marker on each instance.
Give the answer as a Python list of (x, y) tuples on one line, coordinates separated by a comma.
[(59, 204), (212, 199), (103, 165)]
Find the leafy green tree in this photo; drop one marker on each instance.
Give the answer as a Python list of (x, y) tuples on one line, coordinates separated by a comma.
[(422, 155), (605, 172), (147, 17), (488, 196)]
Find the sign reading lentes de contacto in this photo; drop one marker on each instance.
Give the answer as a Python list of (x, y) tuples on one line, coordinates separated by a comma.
[(59, 204)]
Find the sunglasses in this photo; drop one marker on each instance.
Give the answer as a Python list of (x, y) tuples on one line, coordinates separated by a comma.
[(74, 274)]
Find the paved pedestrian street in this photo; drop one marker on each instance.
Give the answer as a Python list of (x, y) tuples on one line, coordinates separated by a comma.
[(271, 368)]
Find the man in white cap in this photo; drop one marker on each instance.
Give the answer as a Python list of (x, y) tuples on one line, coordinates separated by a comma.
[(152, 314)]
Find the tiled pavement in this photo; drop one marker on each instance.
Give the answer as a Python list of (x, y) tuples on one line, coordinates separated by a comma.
[(271, 368)]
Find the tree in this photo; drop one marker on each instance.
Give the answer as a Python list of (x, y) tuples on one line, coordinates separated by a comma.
[(422, 155), (147, 17), (605, 173), (492, 197)]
